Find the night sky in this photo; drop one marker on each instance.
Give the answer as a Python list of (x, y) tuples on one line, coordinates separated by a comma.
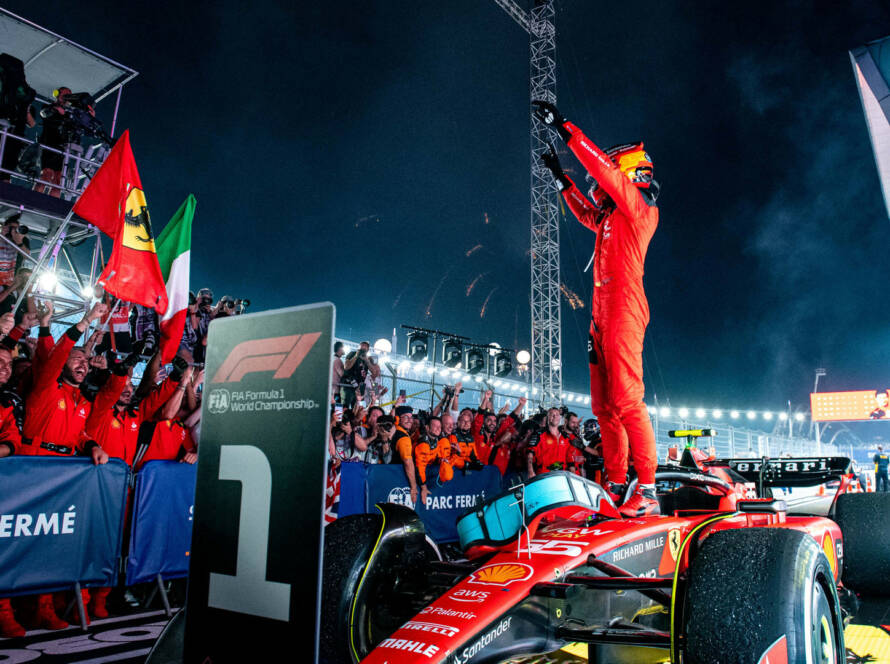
[(359, 152)]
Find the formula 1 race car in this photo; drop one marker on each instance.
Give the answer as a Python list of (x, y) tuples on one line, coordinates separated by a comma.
[(727, 573)]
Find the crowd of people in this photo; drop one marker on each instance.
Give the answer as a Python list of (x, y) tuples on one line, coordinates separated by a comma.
[(61, 398), (431, 446)]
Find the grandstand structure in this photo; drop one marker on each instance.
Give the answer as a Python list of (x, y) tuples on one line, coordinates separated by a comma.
[(66, 252)]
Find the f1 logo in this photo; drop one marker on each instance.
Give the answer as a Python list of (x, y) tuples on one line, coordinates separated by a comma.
[(279, 354)]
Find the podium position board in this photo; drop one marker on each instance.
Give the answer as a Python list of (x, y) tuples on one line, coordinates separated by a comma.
[(259, 500)]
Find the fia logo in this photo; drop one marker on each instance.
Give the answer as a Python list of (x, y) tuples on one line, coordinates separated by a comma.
[(218, 401)]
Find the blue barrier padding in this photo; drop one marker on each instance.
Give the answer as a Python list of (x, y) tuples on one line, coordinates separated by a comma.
[(353, 488), (388, 484), (61, 520), (161, 529)]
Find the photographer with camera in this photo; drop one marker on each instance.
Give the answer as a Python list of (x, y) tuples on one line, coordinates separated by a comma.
[(355, 371)]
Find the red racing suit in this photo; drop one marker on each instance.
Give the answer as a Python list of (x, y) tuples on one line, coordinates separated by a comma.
[(619, 310)]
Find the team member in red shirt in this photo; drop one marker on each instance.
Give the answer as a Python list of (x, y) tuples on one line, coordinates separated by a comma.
[(552, 451), (114, 420), (57, 411), (624, 216), (11, 411), (171, 438)]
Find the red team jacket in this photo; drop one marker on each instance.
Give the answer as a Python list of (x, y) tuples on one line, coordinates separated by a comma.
[(118, 432), (57, 412)]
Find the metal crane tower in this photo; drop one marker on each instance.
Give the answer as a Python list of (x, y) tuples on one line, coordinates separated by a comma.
[(545, 294)]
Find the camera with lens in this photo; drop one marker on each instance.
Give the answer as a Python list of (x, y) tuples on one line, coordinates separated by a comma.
[(78, 120)]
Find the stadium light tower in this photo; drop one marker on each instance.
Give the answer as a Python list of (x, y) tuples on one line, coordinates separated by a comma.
[(545, 296)]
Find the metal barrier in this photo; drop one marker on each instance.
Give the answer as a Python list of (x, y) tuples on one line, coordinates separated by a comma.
[(78, 165)]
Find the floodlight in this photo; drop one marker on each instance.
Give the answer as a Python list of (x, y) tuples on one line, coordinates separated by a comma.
[(718, 414), (503, 365), (418, 343), (452, 353), (734, 414), (475, 360), (383, 346), (699, 412), (665, 412), (47, 282), (751, 414), (767, 415), (683, 412), (783, 416), (523, 357)]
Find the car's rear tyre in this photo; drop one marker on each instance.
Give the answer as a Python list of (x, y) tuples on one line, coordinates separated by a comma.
[(756, 590), (374, 565), (864, 519)]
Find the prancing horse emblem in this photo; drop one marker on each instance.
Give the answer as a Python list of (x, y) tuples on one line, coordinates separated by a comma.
[(137, 223)]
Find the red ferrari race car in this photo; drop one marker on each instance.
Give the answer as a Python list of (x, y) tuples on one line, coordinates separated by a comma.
[(727, 573)]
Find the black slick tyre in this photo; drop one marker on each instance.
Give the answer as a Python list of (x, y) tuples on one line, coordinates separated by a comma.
[(864, 519), (755, 591), (374, 565)]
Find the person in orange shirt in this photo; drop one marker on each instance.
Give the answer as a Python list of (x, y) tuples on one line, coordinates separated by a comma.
[(432, 457), (463, 443)]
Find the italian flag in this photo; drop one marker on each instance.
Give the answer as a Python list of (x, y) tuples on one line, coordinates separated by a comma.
[(174, 250)]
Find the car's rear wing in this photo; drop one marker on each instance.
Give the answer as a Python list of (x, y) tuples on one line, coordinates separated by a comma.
[(809, 471)]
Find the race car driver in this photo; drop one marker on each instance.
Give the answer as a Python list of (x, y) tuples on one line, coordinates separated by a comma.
[(624, 216)]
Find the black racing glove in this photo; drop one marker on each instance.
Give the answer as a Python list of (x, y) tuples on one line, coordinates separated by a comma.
[(577, 443), (179, 366), (123, 367), (551, 161), (550, 116)]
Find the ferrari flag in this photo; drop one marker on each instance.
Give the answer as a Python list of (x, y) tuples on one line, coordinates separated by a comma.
[(114, 202), (174, 250)]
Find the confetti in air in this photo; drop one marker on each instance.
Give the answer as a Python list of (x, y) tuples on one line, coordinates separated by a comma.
[(485, 218), (472, 284), (429, 307), (571, 297), (485, 304), (398, 297), (474, 250), (369, 219)]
